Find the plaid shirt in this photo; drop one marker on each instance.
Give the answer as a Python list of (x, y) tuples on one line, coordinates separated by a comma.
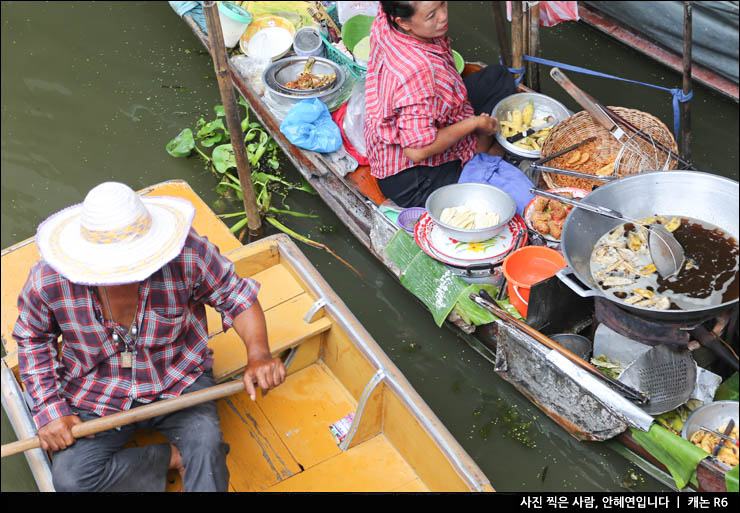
[(412, 90), (170, 351)]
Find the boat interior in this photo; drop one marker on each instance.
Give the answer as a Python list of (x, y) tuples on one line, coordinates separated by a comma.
[(282, 441)]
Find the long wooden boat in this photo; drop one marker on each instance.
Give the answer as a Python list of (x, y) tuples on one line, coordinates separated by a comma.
[(282, 442), (551, 383)]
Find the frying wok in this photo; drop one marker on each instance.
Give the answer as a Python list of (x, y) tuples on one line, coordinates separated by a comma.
[(702, 196)]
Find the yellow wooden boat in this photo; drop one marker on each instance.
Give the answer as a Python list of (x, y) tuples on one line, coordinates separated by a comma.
[(282, 442)]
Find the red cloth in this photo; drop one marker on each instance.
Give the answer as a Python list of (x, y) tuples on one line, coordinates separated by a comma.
[(338, 117), (412, 89), (171, 350), (552, 13)]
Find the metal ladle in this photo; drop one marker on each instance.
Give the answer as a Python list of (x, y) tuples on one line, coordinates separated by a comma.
[(665, 251)]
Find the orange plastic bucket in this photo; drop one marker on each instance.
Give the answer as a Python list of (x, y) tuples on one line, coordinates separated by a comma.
[(527, 266)]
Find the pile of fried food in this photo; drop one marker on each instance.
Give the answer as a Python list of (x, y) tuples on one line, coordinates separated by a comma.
[(520, 120), (622, 258), (590, 158), (548, 215), (728, 454), (308, 80)]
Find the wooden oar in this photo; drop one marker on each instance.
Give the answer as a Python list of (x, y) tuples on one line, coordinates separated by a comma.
[(136, 414), (486, 301)]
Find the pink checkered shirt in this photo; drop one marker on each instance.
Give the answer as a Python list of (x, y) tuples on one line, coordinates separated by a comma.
[(412, 90), (170, 351)]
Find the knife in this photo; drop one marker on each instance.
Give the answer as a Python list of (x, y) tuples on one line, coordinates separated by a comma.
[(728, 430), (723, 437), (551, 121)]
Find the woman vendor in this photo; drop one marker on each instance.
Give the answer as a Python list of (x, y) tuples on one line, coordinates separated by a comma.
[(423, 122)]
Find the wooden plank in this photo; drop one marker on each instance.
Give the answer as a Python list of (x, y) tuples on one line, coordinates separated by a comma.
[(307, 354), (347, 363), (253, 258), (257, 457), (420, 451), (371, 421), (230, 355), (374, 466), (303, 408)]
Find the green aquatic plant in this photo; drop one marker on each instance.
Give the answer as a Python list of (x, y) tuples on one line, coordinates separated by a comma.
[(262, 154)]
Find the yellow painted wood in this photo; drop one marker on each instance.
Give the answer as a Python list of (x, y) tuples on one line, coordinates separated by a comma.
[(415, 486), (257, 457), (285, 328), (420, 451), (374, 466), (277, 286), (13, 274), (307, 353), (347, 363), (303, 408), (253, 258)]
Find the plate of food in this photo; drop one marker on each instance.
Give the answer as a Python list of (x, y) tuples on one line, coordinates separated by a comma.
[(546, 216), (440, 246)]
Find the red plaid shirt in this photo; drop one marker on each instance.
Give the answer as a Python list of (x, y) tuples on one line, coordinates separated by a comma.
[(412, 90), (170, 352)]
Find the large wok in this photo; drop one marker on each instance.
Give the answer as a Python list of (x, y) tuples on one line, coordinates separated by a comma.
[(703, 196)]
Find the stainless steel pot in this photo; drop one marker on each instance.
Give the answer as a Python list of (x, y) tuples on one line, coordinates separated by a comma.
[(703, 196)]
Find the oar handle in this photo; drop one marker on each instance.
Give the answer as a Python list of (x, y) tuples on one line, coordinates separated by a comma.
[(586, 101), (627, 391), (135, 415)]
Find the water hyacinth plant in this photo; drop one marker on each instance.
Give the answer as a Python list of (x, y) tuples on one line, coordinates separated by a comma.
[(262, 153)]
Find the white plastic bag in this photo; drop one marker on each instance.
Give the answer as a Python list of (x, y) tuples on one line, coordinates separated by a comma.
[(345, 10), (251, 69), (354, 118)]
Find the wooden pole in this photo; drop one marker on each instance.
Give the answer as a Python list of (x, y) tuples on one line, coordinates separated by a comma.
[(516, 36), (147, 411), (497, 10), (534, 46), (233, 122), (685, 134)]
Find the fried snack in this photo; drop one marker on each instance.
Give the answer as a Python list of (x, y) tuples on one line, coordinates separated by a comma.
[(557, 210), (540, 216), (584, 158), (728, 454), (575, 157), (598, 162), (555, 229), (541, 226), (540, 203)]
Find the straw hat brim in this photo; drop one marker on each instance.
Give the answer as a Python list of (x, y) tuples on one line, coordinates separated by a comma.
[(62, 246)]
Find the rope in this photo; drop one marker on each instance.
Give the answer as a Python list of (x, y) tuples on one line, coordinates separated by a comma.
[(678, 95)]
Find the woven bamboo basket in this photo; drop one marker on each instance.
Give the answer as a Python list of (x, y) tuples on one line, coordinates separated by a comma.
[(581, 126)]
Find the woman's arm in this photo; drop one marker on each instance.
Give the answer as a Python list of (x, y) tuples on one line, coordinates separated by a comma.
[(450, 135)]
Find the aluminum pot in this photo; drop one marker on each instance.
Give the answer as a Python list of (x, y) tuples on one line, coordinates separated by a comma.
[(702, 196)]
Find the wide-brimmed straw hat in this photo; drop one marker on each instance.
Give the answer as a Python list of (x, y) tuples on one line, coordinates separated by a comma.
[(115, 236)]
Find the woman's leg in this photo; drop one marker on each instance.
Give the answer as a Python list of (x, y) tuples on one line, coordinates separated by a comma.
[(411, 187), (489, 86)]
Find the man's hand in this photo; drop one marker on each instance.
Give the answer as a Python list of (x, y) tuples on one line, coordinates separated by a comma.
[(486, 124), (266, 372), (57, 434)]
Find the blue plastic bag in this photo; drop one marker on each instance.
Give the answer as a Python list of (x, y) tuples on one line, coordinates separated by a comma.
[(484, 168), (308, 125)]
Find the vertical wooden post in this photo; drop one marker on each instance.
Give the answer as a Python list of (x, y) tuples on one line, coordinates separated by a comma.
[(685, 134), (533, 69), (498, 21), (233, 123), (516, 35)]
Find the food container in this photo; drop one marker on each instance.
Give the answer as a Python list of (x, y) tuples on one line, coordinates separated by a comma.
[(408, 218), (544, 106), (279, 73), (551, 241), (489, 197), (307, 42), (577, 344), (268, 38), (527, 266), (234, 21), (459, 61), (713, 415)]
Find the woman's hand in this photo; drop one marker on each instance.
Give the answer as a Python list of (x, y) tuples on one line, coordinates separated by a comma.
[(486, 125)]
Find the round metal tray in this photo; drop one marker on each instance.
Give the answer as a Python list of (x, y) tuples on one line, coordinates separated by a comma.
[(286, 70)]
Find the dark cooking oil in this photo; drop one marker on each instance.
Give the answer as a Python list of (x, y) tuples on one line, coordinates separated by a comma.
[(710, 274)]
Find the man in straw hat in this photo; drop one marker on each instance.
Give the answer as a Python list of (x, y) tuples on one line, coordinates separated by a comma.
[(123, 279)]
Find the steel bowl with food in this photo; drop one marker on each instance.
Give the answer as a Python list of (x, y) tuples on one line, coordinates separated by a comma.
[(282, 72), (481, 199), (544, 107), (714, 416)]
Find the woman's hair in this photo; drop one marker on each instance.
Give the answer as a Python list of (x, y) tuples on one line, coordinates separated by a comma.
[(395, 10)]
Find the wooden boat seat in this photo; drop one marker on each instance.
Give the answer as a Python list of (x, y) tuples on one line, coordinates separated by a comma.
[(367, 184)]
